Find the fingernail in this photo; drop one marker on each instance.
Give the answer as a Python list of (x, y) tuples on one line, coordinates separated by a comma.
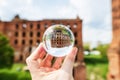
[(41, 44), (40, 47), (75, 50)]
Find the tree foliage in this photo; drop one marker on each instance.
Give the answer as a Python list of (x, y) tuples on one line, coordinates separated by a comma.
[(86, 47), (6, 52), (103, 49)]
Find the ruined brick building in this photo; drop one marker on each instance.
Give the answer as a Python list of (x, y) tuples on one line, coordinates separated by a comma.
[(114, 50), (59, 39), (25, 35)]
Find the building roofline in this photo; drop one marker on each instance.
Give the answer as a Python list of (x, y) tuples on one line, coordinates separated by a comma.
[(18, 19)]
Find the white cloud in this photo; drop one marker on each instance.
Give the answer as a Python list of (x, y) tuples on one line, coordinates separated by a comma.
[(83, 9), (3, 3), (108, 20), (95, 14), (29, 1), (24, 8), (92, 35), (91, 10), (67, 12)]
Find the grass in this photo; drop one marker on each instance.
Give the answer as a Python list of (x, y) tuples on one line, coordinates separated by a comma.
[(97, 68), (16, 73)]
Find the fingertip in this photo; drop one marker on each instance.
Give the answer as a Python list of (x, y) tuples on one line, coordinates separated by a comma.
[(36, 53), (40, 47), (73, 53), (69, 60), (75, 49)]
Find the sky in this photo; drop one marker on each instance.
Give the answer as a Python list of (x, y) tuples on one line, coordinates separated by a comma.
[(96, 14)]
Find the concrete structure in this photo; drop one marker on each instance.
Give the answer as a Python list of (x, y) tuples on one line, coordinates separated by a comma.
[(25, 35), (114, 50)]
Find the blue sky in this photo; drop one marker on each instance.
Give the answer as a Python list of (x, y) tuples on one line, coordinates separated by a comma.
[(96, 14)]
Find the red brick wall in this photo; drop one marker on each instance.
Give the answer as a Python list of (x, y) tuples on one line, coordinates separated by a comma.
[(114, 50), (25, 35)]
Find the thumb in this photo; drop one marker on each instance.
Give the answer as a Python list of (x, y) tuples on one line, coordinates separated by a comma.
[(69, 61)]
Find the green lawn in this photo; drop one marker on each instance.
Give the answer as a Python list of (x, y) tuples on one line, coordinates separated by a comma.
[(97, 67), (96, 70), (16, 73)]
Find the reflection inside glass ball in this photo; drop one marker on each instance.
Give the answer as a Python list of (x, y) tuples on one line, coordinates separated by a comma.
[(58, 40)]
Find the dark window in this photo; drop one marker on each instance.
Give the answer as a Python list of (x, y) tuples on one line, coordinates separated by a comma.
[(115, 9), (23, 42), (113, 77), (23, 34), (31, 25), (30, 49), (31, 34), (16, 34), (38, 41), (31, 42), (38, 34), (76, 42), (75, 34), (21, 58), (38, 26), (16, 42), (17, 26)]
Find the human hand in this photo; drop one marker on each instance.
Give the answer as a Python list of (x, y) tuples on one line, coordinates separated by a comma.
[(41, 68)]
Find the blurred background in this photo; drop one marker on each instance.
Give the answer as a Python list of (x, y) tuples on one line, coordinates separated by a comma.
[(94, 17)]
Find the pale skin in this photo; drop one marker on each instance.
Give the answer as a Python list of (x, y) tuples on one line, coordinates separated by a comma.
[(41, 68)]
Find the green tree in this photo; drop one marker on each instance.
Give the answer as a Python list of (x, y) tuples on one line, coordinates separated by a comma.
[(6, 52), (103, 49), (87, 47)]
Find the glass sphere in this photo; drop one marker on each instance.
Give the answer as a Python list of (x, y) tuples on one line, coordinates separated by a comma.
[(58, 40)]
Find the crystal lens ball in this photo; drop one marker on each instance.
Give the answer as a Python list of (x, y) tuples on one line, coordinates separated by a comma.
[(58, 40)]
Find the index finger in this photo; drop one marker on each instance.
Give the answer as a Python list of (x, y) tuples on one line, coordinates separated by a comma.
[(69, 61), (36, 54)]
